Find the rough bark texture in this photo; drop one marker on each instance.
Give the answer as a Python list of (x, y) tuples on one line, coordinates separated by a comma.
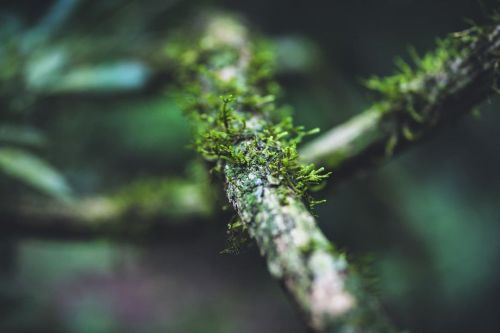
[(328, 292), (437, 98), (318, 277)]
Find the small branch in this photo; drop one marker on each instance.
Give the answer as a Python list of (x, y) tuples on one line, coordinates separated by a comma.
[(262, 181), (144, 208), (417, 105)]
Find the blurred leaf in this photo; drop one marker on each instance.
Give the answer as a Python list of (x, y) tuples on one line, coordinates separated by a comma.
[(118, 76), (50, 73), (34, 172), (306, 54), (22, 135)]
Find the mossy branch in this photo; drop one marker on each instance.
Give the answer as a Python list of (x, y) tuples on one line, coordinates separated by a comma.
[(144, 208), (253, 148), (442, 86)]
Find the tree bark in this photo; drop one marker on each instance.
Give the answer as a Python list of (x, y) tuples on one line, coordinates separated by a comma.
[(436, 100), (329, 293)]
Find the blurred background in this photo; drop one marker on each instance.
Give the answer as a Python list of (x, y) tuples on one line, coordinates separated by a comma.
[(109, 224)]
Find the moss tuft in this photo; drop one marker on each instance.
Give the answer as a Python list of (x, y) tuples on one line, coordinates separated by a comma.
[(406, 95), (234, 115)]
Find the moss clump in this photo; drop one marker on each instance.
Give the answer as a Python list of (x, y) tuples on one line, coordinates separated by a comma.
[(409, 96), (229, 94), (410, 79)]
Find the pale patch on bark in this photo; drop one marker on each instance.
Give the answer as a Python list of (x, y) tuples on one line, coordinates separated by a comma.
[(300, 237), (329, 297)]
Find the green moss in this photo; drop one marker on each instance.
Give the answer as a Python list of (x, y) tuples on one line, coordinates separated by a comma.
[(405, 95), (320, 244), (237, 237), (229, 94), (230, 104), (409, 77)]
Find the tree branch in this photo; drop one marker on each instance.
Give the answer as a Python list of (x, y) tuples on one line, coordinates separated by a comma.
[(348, 149), (263, 180), (143, 208), (446, 84), (415, 105)]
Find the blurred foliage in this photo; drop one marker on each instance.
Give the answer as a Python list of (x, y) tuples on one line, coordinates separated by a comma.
[(33, 171)]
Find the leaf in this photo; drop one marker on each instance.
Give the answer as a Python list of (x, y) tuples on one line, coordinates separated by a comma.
[(33, 171), (22, 135)]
